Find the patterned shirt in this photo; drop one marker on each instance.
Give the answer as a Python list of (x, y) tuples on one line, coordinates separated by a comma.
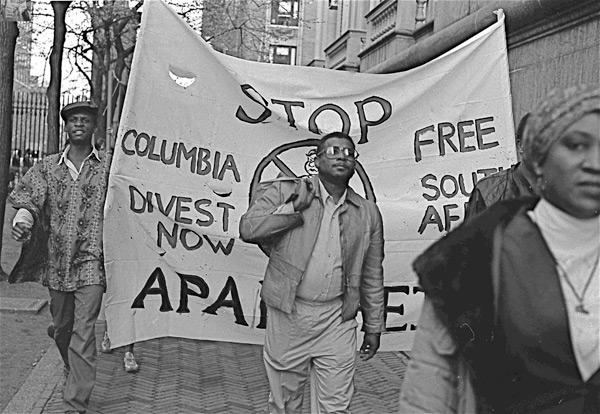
[(73, 209)]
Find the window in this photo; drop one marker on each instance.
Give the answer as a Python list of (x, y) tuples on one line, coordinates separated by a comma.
[(283, 55), (284, 12)]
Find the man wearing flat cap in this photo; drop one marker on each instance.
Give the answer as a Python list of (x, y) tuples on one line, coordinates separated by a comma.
[(60, 204)]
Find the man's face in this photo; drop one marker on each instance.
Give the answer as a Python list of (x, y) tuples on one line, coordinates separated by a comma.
[(80, 127), (339, 167)]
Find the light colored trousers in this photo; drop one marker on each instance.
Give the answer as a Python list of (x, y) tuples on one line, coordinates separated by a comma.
[(74, 316), (310, 340)]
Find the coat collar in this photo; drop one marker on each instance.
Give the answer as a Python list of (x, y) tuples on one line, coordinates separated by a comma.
[(64, 154), (351, 195)]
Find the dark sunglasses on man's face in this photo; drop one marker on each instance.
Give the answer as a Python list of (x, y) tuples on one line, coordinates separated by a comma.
[(333, 152)]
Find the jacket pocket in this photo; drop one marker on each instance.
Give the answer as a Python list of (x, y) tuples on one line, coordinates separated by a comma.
[(281, 283)]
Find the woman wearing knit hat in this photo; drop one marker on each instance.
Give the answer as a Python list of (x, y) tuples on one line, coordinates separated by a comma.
[(511, 319)]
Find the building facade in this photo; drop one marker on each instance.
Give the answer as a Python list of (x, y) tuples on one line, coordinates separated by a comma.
[(259, 30), (550, 42)]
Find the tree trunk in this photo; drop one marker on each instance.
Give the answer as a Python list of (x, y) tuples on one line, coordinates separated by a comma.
[(8, 40), (98, 72), (53, 91)]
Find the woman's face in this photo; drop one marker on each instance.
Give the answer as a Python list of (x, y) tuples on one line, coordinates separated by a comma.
[(571, 171)]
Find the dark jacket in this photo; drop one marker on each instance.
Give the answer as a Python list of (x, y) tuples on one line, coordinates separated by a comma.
[(32, 262), (456, 273), (461, 275), (504, 185)]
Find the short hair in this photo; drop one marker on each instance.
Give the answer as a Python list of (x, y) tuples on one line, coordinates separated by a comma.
[(321, 145)]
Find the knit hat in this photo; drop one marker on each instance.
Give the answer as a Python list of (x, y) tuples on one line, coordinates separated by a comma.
[(561, 109)]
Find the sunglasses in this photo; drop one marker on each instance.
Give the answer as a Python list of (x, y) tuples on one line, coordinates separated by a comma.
[(333, 152)]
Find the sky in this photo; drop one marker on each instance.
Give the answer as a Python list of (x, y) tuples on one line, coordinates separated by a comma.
[(42, 45)]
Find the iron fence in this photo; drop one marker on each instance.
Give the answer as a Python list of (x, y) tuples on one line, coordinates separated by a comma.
[(30, 130)]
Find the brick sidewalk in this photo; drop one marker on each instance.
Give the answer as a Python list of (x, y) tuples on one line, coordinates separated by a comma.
[(189, 376)]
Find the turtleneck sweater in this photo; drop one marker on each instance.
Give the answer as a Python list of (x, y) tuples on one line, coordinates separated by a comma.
[(575, 245)]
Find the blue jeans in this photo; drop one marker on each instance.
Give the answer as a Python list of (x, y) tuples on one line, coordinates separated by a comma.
[(74, 316)]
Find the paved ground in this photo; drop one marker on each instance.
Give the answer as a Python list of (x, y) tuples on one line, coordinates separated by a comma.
[(189, 376), (23, 339)]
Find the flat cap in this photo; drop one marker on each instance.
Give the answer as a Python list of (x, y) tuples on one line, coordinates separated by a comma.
[(82, 106)]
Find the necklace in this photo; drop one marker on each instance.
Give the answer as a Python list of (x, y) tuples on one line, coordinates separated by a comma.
[(579, 308)]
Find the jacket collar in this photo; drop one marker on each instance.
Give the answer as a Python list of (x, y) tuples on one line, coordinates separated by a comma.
[(521, 177), (93, 154), (351, 195)]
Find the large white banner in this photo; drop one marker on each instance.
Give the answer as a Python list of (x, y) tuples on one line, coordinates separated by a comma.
[(200, 129)]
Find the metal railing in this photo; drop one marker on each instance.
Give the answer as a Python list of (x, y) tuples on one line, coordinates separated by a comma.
[(30, 130), (387, 15)]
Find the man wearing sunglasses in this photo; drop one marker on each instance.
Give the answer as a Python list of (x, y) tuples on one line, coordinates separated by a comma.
[(325, 246)]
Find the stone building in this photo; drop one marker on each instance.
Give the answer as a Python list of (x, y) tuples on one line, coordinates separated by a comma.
[(550, 42)]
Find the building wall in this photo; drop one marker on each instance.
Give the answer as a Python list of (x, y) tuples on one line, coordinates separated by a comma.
[(448, 12), (548, 56), (22, 76), (550, 42), (547, 51), (310, 30)]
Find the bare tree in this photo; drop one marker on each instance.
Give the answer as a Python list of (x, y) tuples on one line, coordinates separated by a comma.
[(249, 28), (8, 40), (53, 91), (237, 27), (101, 41), (104, 46)]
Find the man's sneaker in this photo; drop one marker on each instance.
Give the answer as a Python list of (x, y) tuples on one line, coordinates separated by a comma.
[(106, 344), (130, 364), (51, 331)]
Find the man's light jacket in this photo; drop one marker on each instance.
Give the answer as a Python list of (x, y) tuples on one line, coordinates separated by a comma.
[(289, 240)]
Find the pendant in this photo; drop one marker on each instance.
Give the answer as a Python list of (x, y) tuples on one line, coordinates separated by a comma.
[(580, 309)]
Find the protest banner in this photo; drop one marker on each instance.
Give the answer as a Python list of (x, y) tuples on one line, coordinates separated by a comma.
[(201, 129)]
